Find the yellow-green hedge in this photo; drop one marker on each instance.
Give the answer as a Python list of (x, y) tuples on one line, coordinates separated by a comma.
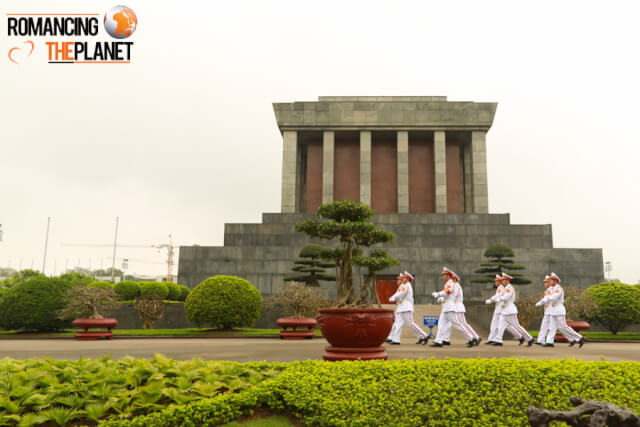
[(417, 392)]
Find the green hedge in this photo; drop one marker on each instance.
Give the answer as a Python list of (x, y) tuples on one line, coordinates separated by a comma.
[(127, 289), (32, 305), (174, 291), (154, 289), (416, 393)]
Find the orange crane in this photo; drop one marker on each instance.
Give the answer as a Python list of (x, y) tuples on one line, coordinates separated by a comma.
[(169, 246)]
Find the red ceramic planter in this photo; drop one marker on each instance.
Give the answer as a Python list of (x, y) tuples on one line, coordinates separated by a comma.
[(355, 333), (294, 323), (577, 325), (87, 324)]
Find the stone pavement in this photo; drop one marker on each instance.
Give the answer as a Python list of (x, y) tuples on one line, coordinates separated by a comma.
[(273, 349)]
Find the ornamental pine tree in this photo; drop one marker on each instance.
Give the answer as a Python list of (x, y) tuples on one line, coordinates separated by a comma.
[(311, 267), (499, 255)]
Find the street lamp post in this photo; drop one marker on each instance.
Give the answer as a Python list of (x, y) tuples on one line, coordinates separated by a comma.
[(607, 269)]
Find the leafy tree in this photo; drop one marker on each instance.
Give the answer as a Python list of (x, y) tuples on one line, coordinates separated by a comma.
[(174, 291), (297, 300), (613, 305), (20, 277), (311, 267), (349, 222), (76, 278), (88, 301), (224, 301), (127, 289), (150, 303), (500, 261)]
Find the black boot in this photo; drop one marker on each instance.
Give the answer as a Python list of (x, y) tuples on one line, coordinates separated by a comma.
[(471, 343), (435, 344), (446, 343), (581, 342), (530, 342), (521, 340)]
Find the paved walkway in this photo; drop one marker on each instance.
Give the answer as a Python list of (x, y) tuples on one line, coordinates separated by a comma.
[(269, 349)]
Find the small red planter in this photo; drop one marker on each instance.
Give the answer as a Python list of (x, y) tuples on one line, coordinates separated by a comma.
[(577, 325), (355, 333), (87, 335), (294, 323)]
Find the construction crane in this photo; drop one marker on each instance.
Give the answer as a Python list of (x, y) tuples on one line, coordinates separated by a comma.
[(169, 246)]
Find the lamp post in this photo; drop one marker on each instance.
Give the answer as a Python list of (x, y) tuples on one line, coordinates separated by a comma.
[(607, 269)]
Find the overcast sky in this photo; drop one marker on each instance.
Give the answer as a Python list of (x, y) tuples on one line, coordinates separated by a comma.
[(184, 138)]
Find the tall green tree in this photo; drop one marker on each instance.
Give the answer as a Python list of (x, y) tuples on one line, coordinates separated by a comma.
[(310, 267), (350, 223), (500, 261)]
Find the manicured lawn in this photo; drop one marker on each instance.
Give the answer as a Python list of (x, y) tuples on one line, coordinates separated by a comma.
[(204, 332)]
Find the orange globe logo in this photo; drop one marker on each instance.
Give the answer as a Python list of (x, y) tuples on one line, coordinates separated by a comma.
[(120, 22)]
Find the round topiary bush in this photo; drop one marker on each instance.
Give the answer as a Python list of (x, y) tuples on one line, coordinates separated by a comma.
[(613, 305), (184, 292), (224, 301), (127, 289), (174, 291), (101, 284), (33, 305), (154, 289)]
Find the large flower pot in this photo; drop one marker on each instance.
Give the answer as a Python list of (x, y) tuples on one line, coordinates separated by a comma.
[(294, 323), (355, 333), (576, 325), (86, 324)]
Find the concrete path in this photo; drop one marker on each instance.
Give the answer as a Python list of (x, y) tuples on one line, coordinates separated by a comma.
[(268, 349)]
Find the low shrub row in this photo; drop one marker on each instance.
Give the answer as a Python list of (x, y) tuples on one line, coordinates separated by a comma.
[(415, 393), (39, 391)]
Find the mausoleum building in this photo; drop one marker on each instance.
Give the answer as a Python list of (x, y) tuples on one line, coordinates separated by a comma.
[(420, 162)]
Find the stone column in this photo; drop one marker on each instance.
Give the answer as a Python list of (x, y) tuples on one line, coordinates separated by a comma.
[(289, 171), (403, 171), (440, 163), (365, 167), (479, 172), (327, 166), (466, 167)]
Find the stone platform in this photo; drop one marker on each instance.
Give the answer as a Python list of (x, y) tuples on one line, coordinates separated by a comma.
[(264, 253)]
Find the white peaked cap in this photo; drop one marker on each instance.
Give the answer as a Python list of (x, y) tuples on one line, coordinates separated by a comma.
[(554, 276), (506, 276), (498, 276), (409, 275)]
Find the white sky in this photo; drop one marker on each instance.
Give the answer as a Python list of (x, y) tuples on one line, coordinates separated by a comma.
[(184, 138)]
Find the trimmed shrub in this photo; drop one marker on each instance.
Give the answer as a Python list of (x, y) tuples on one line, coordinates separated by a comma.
[(33, 305), (184, 292), (154, 289), (101, 284), (612, 305), (174, 291), (127, 289), (453, 392), (224, 301)]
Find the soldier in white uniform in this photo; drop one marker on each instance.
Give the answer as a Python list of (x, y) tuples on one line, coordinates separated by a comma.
[(557, 312), (448, 315), (544, 326), (509, 314), (495, 320), (396, 319), (404, 312)]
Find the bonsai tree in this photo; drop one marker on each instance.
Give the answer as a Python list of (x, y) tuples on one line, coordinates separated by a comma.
[(89, 302), (612, 305), (150, 303), (349, 223), (311, 267), (500, 261), (297, 300)]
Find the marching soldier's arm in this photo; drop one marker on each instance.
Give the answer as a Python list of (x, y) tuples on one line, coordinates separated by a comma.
[(400, 293), (554, 296), (505, 295), (448, 290), (495, 298)]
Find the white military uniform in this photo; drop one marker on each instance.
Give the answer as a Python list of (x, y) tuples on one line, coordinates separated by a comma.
[(495, 320), (460, 314), (557, 316), (448, 317), (546, 319), (404, 313), (509, 315)]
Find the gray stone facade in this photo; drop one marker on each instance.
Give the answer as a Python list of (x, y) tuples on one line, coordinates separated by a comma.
[(453, 136), (424, 243)]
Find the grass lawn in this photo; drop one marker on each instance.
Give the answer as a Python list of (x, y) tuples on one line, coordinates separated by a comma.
[(605, 336), (204, 332)]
